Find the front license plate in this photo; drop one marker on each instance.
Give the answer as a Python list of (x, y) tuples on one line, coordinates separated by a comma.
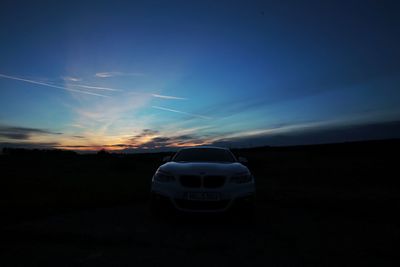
[(205, 196)]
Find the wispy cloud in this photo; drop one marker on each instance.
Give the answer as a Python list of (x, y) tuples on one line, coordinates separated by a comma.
[(322, 133), (104, 74), (145, 133), (153, 139), (168, 97), (172, 141), (29, 145), (50, 85), (181, 112), (116, 73), (71, 79), (22, 133)]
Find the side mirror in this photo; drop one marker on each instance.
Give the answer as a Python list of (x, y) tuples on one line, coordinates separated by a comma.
[(166, 158), (243, 160)]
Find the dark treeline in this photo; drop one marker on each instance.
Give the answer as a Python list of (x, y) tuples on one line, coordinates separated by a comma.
[(360, 147)]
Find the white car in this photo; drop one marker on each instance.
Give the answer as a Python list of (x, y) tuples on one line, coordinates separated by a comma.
[(203, 179)]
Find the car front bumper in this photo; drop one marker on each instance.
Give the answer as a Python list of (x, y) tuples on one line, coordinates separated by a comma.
[(230, 195)]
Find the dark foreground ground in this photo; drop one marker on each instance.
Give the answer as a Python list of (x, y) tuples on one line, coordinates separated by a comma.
[(332, 205)]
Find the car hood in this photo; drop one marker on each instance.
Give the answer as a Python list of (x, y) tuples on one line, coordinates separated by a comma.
[(203, 168)]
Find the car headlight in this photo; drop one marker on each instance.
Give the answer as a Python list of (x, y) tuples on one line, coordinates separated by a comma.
[(162, 176), (242, 178)]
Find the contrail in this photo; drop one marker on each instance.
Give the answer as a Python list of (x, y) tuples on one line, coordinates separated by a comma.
[(115, 89), (181, 112), (116, 73), (87, 87), (95, 87), (168, 97), (49, 85)]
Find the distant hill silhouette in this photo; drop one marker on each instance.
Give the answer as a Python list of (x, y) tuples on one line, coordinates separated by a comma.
[(354, 147)]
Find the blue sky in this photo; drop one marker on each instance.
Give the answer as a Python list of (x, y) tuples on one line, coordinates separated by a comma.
[(150, 74)]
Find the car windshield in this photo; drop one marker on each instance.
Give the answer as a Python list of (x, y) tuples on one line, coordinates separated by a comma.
[(204, 155)]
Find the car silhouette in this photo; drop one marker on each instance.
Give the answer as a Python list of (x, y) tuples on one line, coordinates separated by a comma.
[(203, 179)]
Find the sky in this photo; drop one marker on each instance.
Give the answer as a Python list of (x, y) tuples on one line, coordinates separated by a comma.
[(147, 75)]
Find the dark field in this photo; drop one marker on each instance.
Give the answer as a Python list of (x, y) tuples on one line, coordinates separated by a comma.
[(332, 205)]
